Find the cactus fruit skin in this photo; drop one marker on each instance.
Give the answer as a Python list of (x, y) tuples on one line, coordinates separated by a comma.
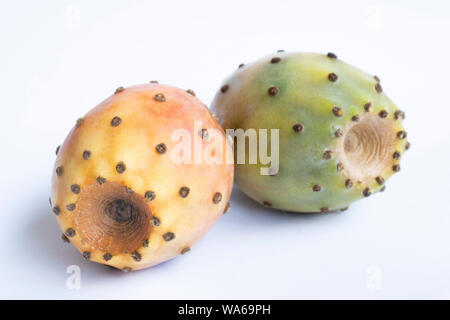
[(118, 197), (340, 136)]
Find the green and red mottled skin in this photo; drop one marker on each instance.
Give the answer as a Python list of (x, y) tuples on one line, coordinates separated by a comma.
[(341, 137), (118, 197)]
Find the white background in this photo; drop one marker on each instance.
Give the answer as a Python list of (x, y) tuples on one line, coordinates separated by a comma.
[(58, 59)]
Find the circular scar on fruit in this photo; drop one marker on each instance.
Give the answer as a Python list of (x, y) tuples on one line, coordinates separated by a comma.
[(366, 148), (111, 219), (340, 136), (119, 193)]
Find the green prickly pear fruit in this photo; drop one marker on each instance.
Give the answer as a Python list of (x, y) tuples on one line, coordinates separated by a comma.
[(340, 136)]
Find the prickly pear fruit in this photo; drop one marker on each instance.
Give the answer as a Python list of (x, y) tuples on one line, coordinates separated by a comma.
[(340, 137), (119, 197)]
